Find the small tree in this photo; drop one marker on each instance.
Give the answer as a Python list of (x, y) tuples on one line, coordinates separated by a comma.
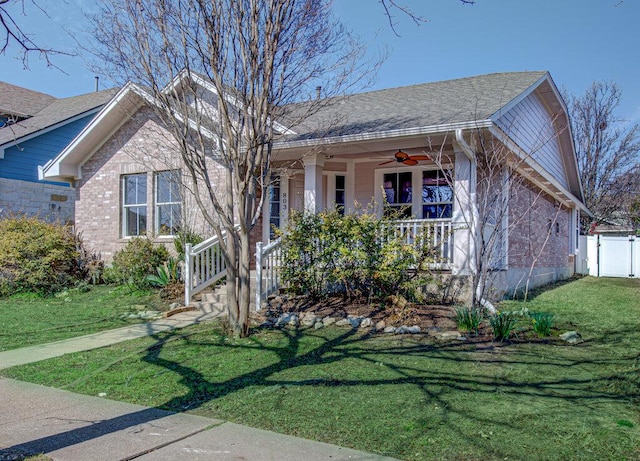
[(233, 68)]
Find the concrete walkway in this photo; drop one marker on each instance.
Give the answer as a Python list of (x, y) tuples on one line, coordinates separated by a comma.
[(72, 427), (40, 352)]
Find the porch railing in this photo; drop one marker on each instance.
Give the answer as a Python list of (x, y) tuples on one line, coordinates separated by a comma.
[(203, 266), (268, 263), (436, 234)]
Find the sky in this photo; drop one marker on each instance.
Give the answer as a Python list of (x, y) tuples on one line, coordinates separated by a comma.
[(577, 41)]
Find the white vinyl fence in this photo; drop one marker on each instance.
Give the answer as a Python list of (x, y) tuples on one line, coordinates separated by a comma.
[(613, 256)]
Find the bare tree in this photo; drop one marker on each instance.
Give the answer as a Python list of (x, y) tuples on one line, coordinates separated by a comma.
[(390, 7), (12, 32), (503, 211), (220, 74), (607, 148)]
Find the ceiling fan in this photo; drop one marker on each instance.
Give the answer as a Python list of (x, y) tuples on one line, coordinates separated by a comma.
[(406, 159)]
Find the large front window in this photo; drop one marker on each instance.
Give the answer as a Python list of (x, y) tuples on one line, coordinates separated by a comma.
[(134, 205), (168, 203), (437, 195)]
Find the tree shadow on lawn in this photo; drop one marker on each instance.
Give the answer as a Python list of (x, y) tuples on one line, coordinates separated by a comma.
[(434, 382)]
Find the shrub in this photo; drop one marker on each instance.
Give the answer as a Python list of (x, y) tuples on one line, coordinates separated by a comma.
[(183, 237), (359, 255), (503, 324), (542, 323), (469, 318), (36, 256), (167, 273), (138, 259)]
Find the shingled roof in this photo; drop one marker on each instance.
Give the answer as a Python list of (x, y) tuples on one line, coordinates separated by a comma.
[(56, 111), (429, 104), (15, 100)]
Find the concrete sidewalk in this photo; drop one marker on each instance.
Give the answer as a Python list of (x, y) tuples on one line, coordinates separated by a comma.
[(46, 351), (73, 427)]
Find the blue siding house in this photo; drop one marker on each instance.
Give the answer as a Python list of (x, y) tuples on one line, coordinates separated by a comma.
[(35, 128)]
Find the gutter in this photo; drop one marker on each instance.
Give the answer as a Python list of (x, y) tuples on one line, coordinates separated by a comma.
[(376, 135)]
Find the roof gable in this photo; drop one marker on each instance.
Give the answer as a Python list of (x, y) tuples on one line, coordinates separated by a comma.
[(15, 100), (57, 112)]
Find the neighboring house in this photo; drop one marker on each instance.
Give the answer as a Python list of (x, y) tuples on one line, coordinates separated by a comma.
[(34, 128), (123, 163)]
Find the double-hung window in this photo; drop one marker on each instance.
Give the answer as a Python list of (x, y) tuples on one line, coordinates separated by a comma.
[(168, 203), (134, 213)]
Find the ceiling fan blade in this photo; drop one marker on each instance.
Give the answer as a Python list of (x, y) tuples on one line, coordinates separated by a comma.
[(388, 161), (420, 157), (410, 162)]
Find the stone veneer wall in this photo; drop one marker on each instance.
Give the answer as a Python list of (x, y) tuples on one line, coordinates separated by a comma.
[(53, 203)]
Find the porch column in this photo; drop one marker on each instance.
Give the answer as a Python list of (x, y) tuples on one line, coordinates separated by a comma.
[(350, 187), (313, 193), (464, 219)]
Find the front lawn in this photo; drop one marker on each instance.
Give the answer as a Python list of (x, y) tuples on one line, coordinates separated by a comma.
[(407, 397), (26, 319)]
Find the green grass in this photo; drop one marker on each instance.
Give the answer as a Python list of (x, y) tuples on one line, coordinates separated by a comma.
[(30, 319), (408, 398)]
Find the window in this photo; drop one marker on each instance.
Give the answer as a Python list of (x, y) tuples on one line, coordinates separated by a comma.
[(437, 195), (340, 193), (168, 203), (398, 193), (274, 207), (134, 205)]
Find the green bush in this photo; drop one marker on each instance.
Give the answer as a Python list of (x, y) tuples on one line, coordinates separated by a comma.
[(138, 259), (36, 256), (183, 237), (359, 255), (469, 318)]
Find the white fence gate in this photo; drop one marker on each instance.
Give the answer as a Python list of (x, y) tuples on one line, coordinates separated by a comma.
[(613, 256)]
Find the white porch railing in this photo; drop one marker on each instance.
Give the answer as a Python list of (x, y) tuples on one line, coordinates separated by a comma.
[(268, 263), (204, 266), (435, 233)]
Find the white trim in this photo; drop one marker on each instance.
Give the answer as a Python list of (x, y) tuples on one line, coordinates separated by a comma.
[(518, 99), (45, 130), (376, 135), (568, 196)]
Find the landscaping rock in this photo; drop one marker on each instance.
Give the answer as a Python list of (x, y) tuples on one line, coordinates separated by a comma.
[(328, 321), (318, 325), (401, 330), (309, 319), (448, 335), (571, 337), (413, 329), (354, 321), (287, 319), (366, 323), (343, 323), (380, 325), (390, 330), (293, 321)]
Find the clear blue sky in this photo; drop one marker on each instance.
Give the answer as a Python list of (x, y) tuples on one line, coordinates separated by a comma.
[(578, 41)]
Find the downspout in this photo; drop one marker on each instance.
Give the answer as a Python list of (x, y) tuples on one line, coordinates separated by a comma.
[(473, 179)]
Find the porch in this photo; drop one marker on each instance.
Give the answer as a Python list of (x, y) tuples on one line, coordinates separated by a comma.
[(204, 264)]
